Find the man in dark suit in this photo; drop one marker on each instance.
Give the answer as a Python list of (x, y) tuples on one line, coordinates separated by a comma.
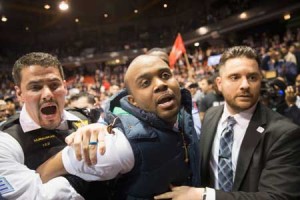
[(265, 149)]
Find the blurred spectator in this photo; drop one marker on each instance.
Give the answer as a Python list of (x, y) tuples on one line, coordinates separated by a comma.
[(276, 95), (194, 89), (74, 91), (105, 84), (114, 89), (292, 111), (82, 100), (297, 55), (10, 106), (86, 102), (211, 95), (276, 61), (2, 111), (289, 72), (297, 90), (288, 54), (265, 58)]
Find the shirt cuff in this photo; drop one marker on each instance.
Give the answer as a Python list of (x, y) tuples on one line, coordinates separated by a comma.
[(210, 194), (78, 168)]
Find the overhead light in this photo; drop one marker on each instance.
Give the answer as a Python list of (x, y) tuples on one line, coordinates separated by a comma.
[(106, 15), (27, 28), (47, 6), (76, 20), (63, 5), (136, 11), (165, 5), (196, 44), (202, 30), (287, 16), (4, 19), (243, 15)]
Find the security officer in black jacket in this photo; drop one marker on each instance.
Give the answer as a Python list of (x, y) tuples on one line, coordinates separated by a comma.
[(35, 135)]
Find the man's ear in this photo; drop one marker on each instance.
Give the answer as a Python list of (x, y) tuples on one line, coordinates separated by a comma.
[(19, 94), (218, 82), (132, 100), (65, 87)]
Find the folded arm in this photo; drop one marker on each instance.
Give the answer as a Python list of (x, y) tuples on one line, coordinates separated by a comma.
[(23, 183), (118, 158)]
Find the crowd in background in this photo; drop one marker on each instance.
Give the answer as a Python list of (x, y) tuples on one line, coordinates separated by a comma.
[(94, 89), (280, 62)]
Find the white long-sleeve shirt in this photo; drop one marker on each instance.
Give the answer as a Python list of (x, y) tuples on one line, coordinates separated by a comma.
[(118, 159), (22, 183)]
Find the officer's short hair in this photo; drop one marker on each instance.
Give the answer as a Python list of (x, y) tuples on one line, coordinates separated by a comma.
[(35, 58)]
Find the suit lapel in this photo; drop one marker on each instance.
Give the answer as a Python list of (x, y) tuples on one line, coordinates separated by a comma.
[(252, 137), (207, 138)]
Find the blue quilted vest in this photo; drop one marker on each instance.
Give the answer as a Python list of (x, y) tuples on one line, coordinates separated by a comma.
[(158, 150)]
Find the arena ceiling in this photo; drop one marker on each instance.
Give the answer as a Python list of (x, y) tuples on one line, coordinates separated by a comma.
[(31, 16), (28, 19)]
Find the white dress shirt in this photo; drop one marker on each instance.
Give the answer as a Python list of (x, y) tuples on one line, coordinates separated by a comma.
[(239, 130), (23, 183), (118, 159), (298, 101)]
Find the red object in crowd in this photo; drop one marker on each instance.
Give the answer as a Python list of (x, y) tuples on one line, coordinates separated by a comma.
[(106, 85), (177, 50)]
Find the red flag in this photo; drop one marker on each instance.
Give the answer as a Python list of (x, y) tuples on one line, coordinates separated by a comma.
[(177, 50)]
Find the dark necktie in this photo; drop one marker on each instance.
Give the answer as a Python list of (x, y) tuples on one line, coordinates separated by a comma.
[(225, 172)]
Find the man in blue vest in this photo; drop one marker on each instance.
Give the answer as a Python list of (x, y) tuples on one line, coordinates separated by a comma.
[(154, 115)]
